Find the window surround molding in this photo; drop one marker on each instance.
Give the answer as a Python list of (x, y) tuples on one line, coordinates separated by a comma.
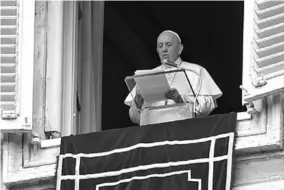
[(24, 163), (33, 157)]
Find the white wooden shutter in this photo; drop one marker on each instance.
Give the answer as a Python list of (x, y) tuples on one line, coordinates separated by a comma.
[(16, 66), (263, 48), (9, 40)]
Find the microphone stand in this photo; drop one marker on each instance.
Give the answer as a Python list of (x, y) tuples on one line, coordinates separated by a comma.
[(178, 67)]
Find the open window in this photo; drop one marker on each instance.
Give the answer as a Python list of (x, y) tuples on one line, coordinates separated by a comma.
[(17, 63), (222, 46), (263, 49), (24, 162), (130, 34)]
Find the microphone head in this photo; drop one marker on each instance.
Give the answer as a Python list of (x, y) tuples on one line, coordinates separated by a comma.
[(167, 62), (164, 61)]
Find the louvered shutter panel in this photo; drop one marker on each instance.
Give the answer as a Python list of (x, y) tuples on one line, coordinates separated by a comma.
[(16, 65), (9, 41), (267, 66)]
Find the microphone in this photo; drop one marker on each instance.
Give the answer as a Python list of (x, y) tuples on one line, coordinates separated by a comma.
[(167, 62)]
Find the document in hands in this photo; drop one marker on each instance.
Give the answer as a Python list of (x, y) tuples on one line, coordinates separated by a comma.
[(152, 84)]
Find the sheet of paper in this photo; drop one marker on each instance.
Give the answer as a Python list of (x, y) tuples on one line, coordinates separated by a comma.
[(153, 86), (142, 72)]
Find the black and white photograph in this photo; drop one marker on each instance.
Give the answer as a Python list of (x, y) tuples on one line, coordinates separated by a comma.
[(142, 95)]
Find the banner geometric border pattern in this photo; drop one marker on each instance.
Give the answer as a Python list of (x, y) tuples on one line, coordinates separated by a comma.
[(211, 159)]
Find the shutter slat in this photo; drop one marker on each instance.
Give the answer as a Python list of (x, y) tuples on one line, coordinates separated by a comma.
[(8, 27), (272, 11), (9, 22), (270, 50), (271, 68), (8, 50), (7, 74), (7, 96), (273, 30), (8, 31), (8, 3), (8, 12), (8, 45), (8, 68), (8, 8), (270, 21), (7, 106), (8, 59), (265, 4), (8, 103), (8, 36), (8, 55), (7, 41), (269, 60), (7, 77), (8, 87), (8, 17), (268, 41)]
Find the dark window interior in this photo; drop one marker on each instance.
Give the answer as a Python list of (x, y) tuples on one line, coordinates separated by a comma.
[(211, 32)]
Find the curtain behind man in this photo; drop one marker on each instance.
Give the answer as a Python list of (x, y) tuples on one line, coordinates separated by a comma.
[(90, 60)]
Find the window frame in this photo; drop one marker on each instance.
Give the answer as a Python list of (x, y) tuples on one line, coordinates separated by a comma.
[(44, 155)]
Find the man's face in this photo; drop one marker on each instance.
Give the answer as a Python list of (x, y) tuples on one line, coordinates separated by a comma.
[(168, 47)]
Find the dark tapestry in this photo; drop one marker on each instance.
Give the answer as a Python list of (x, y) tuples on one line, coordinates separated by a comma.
[(188, 154)]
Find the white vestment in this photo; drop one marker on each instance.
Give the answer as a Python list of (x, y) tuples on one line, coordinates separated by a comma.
[(203, 85)]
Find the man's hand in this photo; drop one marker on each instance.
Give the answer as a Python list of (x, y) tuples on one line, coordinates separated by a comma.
[(174, 95), (138, 98)]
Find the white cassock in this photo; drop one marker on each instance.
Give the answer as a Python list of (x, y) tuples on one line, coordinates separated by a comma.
[(203, 85)]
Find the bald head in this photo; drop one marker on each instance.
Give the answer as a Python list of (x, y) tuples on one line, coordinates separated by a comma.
[(169, 46)]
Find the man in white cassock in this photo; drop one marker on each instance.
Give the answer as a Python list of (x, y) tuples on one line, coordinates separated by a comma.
[(179, 104)]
